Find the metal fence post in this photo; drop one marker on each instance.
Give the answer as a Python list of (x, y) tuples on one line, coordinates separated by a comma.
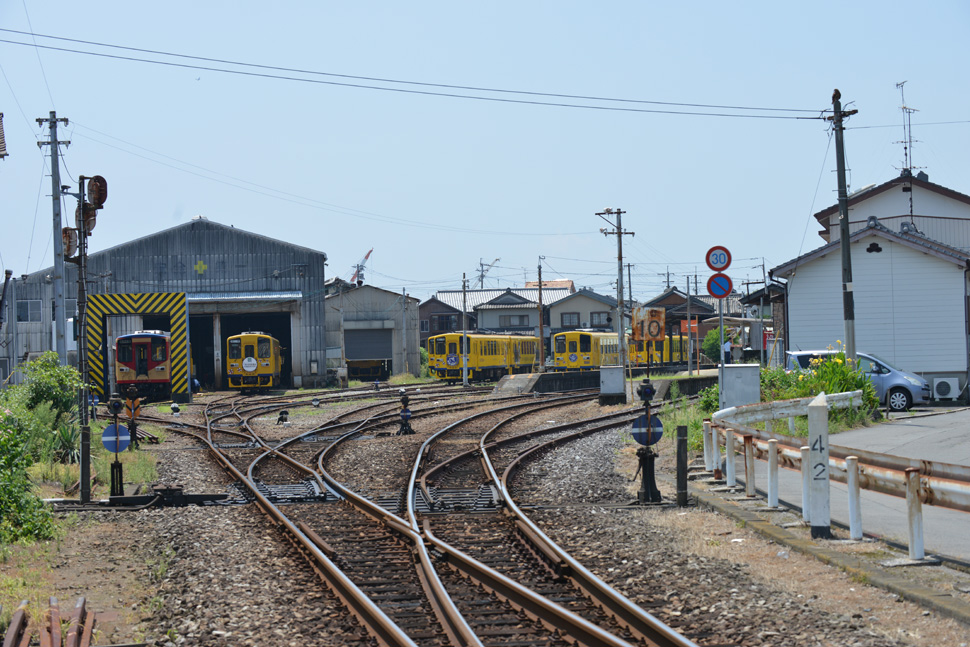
[(681, 465), (749, 485), (915, 509), (855, 503), (708, 447), (806, 482), (772, 473)]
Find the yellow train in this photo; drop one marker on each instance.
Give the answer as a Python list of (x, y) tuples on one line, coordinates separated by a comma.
[(489, 357), (253, 361), (578, 350), (672, 349)]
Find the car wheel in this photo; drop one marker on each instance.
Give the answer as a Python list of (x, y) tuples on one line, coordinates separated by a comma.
[(899, 400)]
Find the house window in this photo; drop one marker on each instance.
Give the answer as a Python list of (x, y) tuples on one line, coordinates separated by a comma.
[(425, 325), (507, 321), (28, 310), (599, 319), (444, 322), (570, 319)]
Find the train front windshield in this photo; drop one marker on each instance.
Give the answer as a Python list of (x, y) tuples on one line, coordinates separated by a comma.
[(263, 348), (124, 350)]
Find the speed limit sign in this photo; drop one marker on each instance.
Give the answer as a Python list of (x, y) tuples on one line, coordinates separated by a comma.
[(718, 258)]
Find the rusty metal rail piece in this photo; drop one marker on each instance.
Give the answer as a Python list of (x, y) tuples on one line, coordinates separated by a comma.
[(17, 630)]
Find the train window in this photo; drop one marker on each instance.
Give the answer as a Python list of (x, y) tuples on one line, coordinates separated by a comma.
[(249, 350), (158, 350), (453, 348), (560, 343), (124, 350), (439, 346), (263, 348), (585, 343), (235, 349), (572, 345)]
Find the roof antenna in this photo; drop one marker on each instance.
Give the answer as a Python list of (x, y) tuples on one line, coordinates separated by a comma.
[(907, 142)]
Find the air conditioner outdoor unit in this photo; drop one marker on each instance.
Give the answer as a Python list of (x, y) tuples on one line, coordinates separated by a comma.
[(946, 388)]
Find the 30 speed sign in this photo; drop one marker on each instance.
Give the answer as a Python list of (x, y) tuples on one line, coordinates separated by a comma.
[(718, 258)]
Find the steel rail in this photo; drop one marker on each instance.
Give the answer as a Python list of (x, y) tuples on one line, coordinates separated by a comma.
[(619, 605), (549, 613), (370, 615)]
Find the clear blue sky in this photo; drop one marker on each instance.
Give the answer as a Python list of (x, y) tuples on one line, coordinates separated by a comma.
[(434, 184)]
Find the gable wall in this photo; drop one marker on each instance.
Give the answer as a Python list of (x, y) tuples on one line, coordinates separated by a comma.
[(909, 307), (936, 216)]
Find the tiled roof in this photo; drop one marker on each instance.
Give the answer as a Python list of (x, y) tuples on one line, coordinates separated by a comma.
[(475, 298)]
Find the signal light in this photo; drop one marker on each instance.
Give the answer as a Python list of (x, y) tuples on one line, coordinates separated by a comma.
[(90, 217), (69, 235), (97, 191)]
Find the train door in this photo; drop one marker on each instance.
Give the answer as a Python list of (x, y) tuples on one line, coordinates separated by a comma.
[(141, 358)]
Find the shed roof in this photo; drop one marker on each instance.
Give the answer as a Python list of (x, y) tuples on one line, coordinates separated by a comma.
[(475, 298)]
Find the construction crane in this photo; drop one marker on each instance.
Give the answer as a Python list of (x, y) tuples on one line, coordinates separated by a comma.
[(358, 277), (482, 271)]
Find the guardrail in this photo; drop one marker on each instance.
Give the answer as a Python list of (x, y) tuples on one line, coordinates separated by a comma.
[(918, 481)]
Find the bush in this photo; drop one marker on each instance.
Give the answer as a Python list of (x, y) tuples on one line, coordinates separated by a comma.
[(22, 515), (711, 346)]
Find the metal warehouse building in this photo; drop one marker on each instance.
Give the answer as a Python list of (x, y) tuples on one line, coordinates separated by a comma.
[(234, 281)]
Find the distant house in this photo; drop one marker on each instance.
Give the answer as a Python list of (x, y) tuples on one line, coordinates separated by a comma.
[(508, 313), (444, 309), (582, 309)]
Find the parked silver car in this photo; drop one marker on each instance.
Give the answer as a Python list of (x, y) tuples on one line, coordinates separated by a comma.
[(897, 388)]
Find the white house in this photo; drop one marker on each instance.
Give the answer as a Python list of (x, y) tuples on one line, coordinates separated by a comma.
[(910, 295)]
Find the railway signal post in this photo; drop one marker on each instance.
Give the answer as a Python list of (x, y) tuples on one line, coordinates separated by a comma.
[(116, 438), (647, 430), (405, 429)]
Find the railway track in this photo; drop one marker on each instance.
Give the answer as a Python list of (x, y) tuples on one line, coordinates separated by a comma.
[(401, 555)]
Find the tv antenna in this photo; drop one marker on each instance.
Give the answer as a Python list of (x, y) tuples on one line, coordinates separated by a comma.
[(907, 140)]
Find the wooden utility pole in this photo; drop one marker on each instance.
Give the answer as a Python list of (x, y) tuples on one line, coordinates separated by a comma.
[(848, 300)]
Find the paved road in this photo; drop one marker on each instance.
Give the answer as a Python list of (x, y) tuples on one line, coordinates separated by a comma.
[(943, 437)]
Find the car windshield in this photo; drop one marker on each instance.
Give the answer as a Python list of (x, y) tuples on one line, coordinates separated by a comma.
[(884, 362)]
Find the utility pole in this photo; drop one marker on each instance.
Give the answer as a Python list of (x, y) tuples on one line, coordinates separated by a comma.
[(542, 339), (619, 233), (464, 325), (848, 300), (690, 339), (404, 328), (629, 283), (60, 321)]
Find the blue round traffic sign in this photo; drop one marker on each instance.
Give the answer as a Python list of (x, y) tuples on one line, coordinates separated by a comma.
[(405, 414), (647, 434), (719, 285), (115, 438)]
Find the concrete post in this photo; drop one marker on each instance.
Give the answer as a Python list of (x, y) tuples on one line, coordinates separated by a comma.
[(773, 473), (855, 507), (730, 480), (914, 508), (820, 513)]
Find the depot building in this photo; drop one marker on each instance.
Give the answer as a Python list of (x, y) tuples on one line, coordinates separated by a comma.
[(234, 281)]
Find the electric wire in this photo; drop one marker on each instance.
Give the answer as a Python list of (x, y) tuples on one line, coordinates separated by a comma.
[(43, 73), (452, 95), (402, 82)]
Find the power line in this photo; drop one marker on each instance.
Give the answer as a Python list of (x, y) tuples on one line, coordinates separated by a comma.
[(817, 113)]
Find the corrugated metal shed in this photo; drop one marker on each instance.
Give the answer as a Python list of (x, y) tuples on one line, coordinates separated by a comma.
[(226, 273)]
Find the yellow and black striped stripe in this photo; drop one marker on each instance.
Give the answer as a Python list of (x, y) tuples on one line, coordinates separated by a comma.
[(99, 306)]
